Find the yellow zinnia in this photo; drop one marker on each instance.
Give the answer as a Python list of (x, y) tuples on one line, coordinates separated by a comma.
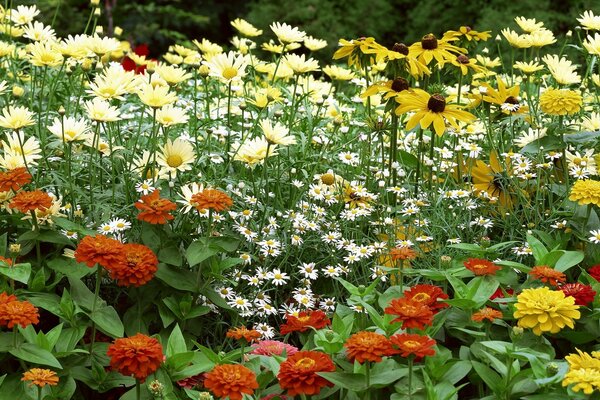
[(584, 372), (586, 192), (560, 101), (545, 310)]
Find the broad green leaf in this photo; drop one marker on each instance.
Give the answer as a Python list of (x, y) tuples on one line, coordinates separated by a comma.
[(489, 376), (31, 353), (346, 380), (178, 278), (176, 343), (569, 259), (17, 272), (108, 321)]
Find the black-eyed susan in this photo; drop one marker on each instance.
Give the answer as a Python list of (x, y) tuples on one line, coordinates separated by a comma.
[(430, 47), (361, 51), (493, 180), (466, 64), (400, 55), (388, 89), (430, 110), (470, 34), (507, 98)]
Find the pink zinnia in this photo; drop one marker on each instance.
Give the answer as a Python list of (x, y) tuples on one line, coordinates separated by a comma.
[(273, 348)]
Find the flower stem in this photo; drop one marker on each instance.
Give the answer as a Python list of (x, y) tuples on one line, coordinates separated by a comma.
[(410, 376), (96, 295), (138, 390), (39, 393), (368, 379)]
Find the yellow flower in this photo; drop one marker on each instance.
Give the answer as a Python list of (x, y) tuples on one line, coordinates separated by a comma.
[(430, 48), (506, 98), (563, 70), (177, 155), (314, 44), (286, 33), (156, 96), (227, 67), (545, 310), (245, 28), (16, 117), (589, 21), (592, 45), (541, 38), (469, 34), (360, 51), (529, 25), (560, 101), (430, 109), (584, 372), (516, 40), (6, 49), (102, 45), (276, 134), (337, 73), (242, 44), (44, 55), (70, 129), (175, 59), (586, 192), (492, 182), (28, 152), (466, 64), (528, 68), (101, 110), (299, 64), (38, 32), (23, 14), (208, 47), (169, 115), (253, 152), (172, 75)]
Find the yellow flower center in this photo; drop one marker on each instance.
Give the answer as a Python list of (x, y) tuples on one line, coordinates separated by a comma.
[(305, 363), (174, 160), (413, 344), (230, 73), (421, 297)]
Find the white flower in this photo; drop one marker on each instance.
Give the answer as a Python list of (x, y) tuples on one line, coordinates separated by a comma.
[(595, 238), (144, 187), (266, 331), (277, 277)]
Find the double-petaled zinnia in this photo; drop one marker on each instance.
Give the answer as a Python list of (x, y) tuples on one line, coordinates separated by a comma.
[(298, 374), (368, 346), (137, 356), (586, 192), (138, 266), (40, 377), (584, 372), (231, 380), (154, 209), (14, 312), (560, 102), (415, 345), (545, 310)]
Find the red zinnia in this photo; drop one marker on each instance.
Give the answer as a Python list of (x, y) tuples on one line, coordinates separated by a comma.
[(298, 374), (242, 332), (501, 293), (101, 250), (305, 320), (14, 179), (411, 344), (594, 272), (139, 266), (31, 201), (481, 267), (139, 355), (583, 294), (17, 312), (411, 313), (486, 313), (231, 380), (155, 210), (547, 275), (428, 295), (368, 346)]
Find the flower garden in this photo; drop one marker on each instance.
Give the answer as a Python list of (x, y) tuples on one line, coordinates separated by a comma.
[(241, 221)]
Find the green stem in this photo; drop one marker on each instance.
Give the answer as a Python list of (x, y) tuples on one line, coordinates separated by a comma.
[(96, 295), (138, 390), (410, 376), (368, 379), (39, 393)]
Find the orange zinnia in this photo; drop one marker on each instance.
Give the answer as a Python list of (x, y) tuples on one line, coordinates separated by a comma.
[(155, 210), (428, 295), (139, 267), (211, 199), (14, 179), (17, 312), (242, 332), (100, 249), (486, 313), (40, 377), (139, 355), (402, 253), (7, 298), (414, 345), (411, 313), (298, 374), (31, 201), (231, 380), (368, 346), (548, 275), (481, 267), (305, 320)]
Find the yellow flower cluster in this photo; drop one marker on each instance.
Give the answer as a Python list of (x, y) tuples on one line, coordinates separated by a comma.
[(545, 310), (586, 192), (584, 371), (560, 101)]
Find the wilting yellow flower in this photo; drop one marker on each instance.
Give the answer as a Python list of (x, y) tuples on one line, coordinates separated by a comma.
[(276, 134), (314, 44), (101, 110), (592, 44), (177, 155), (169, 115), (70, 129), (528, 68), (16, 117), (44, 55), (286, 33), (589, 21), (586, 192), (172, 75), (584, 372), (156, 96), (227, 67), (299, 64), (208, 47), (245, 28), (253, 152), (469, 34), (562, 69), (560, 101), (545, 310), (529, 25), (361, 51)]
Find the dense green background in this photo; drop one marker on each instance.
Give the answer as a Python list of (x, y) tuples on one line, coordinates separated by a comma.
[(161, 22)]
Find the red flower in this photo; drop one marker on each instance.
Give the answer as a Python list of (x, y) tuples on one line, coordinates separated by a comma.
[(583, 294), (415, 345), (486, 313), (298, 374), (368, 346), (595, 272), (14, 179), (305, 320), (481, 267), (428, 295), (130, 65), (411, 313), (31, 201), (155, 210), (239, 333), (500, 293), (100, 249), (17, 312), (8, 261), (232, 380), (139, 355), (140, 264)]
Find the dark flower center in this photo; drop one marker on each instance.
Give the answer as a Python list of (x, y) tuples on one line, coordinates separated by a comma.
[(511, 100), (399, 84), (436, 103), (429, 42), (463, 59), (400, 48)]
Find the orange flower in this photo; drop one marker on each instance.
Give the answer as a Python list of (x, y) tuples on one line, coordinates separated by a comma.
[(402, 253), (139, 355), (231, 380), (154, 209), (101, 250), (17, 312), (305, 320), (139, 267), (548, 275), (368, 346), (8, 261), (428, 295), (298, 374), (211, 199), (486, 313), (411, 313), (40, 377), (414, 345), (14, 179), (7, 298), (31, 201), (242, 332), (481, 267)]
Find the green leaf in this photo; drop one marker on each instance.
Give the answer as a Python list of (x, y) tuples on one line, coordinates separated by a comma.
[(569, 259), (178, 278), (3, 246), (176, 343), (18, 272), (491, 378), (69, 267), (170, 255), (538, 248), (54, 237), (407, 159), (31, 353), (481, 288), (199, 251), (108, 321), (346, 380)]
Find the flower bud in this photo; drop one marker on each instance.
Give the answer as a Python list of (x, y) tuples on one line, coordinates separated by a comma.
[(17, 91)]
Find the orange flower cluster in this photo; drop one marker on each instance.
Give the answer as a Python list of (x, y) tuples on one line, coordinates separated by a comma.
[(139, 355), (231, 380), (298, 374), (155, 210), (413, 345), (211, 199), (138, 268), (14, 312), (242, 332), (14, 179), (481, 267), (368, 346), (40, 377), (305, 320), (486, 313), (31, 201), (548, 275)]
